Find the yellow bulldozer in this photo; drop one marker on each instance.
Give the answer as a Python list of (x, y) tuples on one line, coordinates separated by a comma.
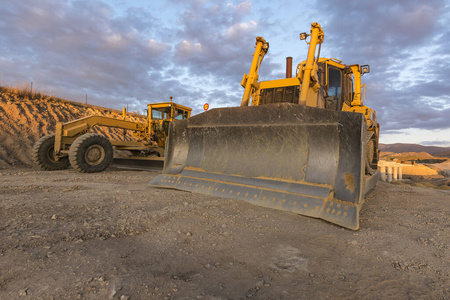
[(74, 144), (307, 144)]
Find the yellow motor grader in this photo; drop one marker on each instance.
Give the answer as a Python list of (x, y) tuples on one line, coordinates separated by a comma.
[(74, 144), (307, 143)]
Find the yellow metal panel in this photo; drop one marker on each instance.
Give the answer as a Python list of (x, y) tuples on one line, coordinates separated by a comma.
[(369, 114), (75, 127), (311, 99), (278, 83), (58, 134), (168, 104), (128, 144)]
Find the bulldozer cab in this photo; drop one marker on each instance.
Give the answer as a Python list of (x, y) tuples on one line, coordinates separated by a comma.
[(336, 87), (337, 84)]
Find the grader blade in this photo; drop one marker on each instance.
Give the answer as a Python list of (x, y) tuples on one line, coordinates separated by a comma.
[(284, 156), (139, 163)]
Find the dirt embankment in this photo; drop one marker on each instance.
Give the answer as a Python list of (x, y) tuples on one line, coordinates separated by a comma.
[(24, 121), (410, 157)]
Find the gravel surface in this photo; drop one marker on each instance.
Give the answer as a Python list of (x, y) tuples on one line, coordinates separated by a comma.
[(67, 235)]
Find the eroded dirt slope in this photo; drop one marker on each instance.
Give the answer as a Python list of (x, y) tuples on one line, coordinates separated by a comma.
[(24, 121)]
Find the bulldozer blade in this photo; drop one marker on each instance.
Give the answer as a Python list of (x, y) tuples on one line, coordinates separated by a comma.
[(285, 156)]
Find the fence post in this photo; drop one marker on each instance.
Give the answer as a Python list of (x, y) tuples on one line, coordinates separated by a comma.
[(389, 174), (383, 172)]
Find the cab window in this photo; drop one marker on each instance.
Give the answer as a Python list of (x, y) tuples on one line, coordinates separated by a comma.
[(334, 88), (180, 114), (161, 113), (156, 114)]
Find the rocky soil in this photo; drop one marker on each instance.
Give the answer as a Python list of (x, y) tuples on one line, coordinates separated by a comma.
[(109, 235), (66, 235)]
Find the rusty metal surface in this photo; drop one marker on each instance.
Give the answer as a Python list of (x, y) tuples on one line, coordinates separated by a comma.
[(285, 156)]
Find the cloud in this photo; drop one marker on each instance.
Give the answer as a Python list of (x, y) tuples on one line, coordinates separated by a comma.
[(215, 36), (187, 49), (88, 47), (240, 29), (198, 50), (436, 143), (79, 47)]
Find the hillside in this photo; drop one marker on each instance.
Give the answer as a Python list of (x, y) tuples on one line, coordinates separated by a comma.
[(444, 154), (399, 148), (413, 156), (24, 120)]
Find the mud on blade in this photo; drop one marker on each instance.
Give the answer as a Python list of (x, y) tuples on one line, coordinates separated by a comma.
[(285, 156)]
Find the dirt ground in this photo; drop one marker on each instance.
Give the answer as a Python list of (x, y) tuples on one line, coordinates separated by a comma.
[(67, 235)]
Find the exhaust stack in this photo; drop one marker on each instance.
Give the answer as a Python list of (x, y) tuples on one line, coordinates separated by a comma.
[(289, 67)]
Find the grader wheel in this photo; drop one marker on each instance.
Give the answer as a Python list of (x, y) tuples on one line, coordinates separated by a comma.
[(91, 153), (44, 156)]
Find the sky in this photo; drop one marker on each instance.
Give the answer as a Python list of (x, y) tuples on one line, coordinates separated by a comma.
[(127, 53)]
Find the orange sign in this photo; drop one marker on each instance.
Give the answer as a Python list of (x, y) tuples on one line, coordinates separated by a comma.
[(206, 106)]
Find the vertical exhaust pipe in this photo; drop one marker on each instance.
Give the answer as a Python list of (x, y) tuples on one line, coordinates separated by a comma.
[(289, 67)]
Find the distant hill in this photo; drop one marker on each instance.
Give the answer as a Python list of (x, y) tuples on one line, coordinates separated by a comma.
[(399, 148), (444, 154)]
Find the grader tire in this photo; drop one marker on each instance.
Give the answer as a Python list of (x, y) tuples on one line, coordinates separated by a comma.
[(91, 153), (44, 157)]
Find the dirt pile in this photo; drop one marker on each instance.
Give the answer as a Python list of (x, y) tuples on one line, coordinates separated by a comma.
[(414, 155), (410, 156), (24, 121)]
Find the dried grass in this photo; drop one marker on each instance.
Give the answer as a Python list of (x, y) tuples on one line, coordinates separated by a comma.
[(23, 91)]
